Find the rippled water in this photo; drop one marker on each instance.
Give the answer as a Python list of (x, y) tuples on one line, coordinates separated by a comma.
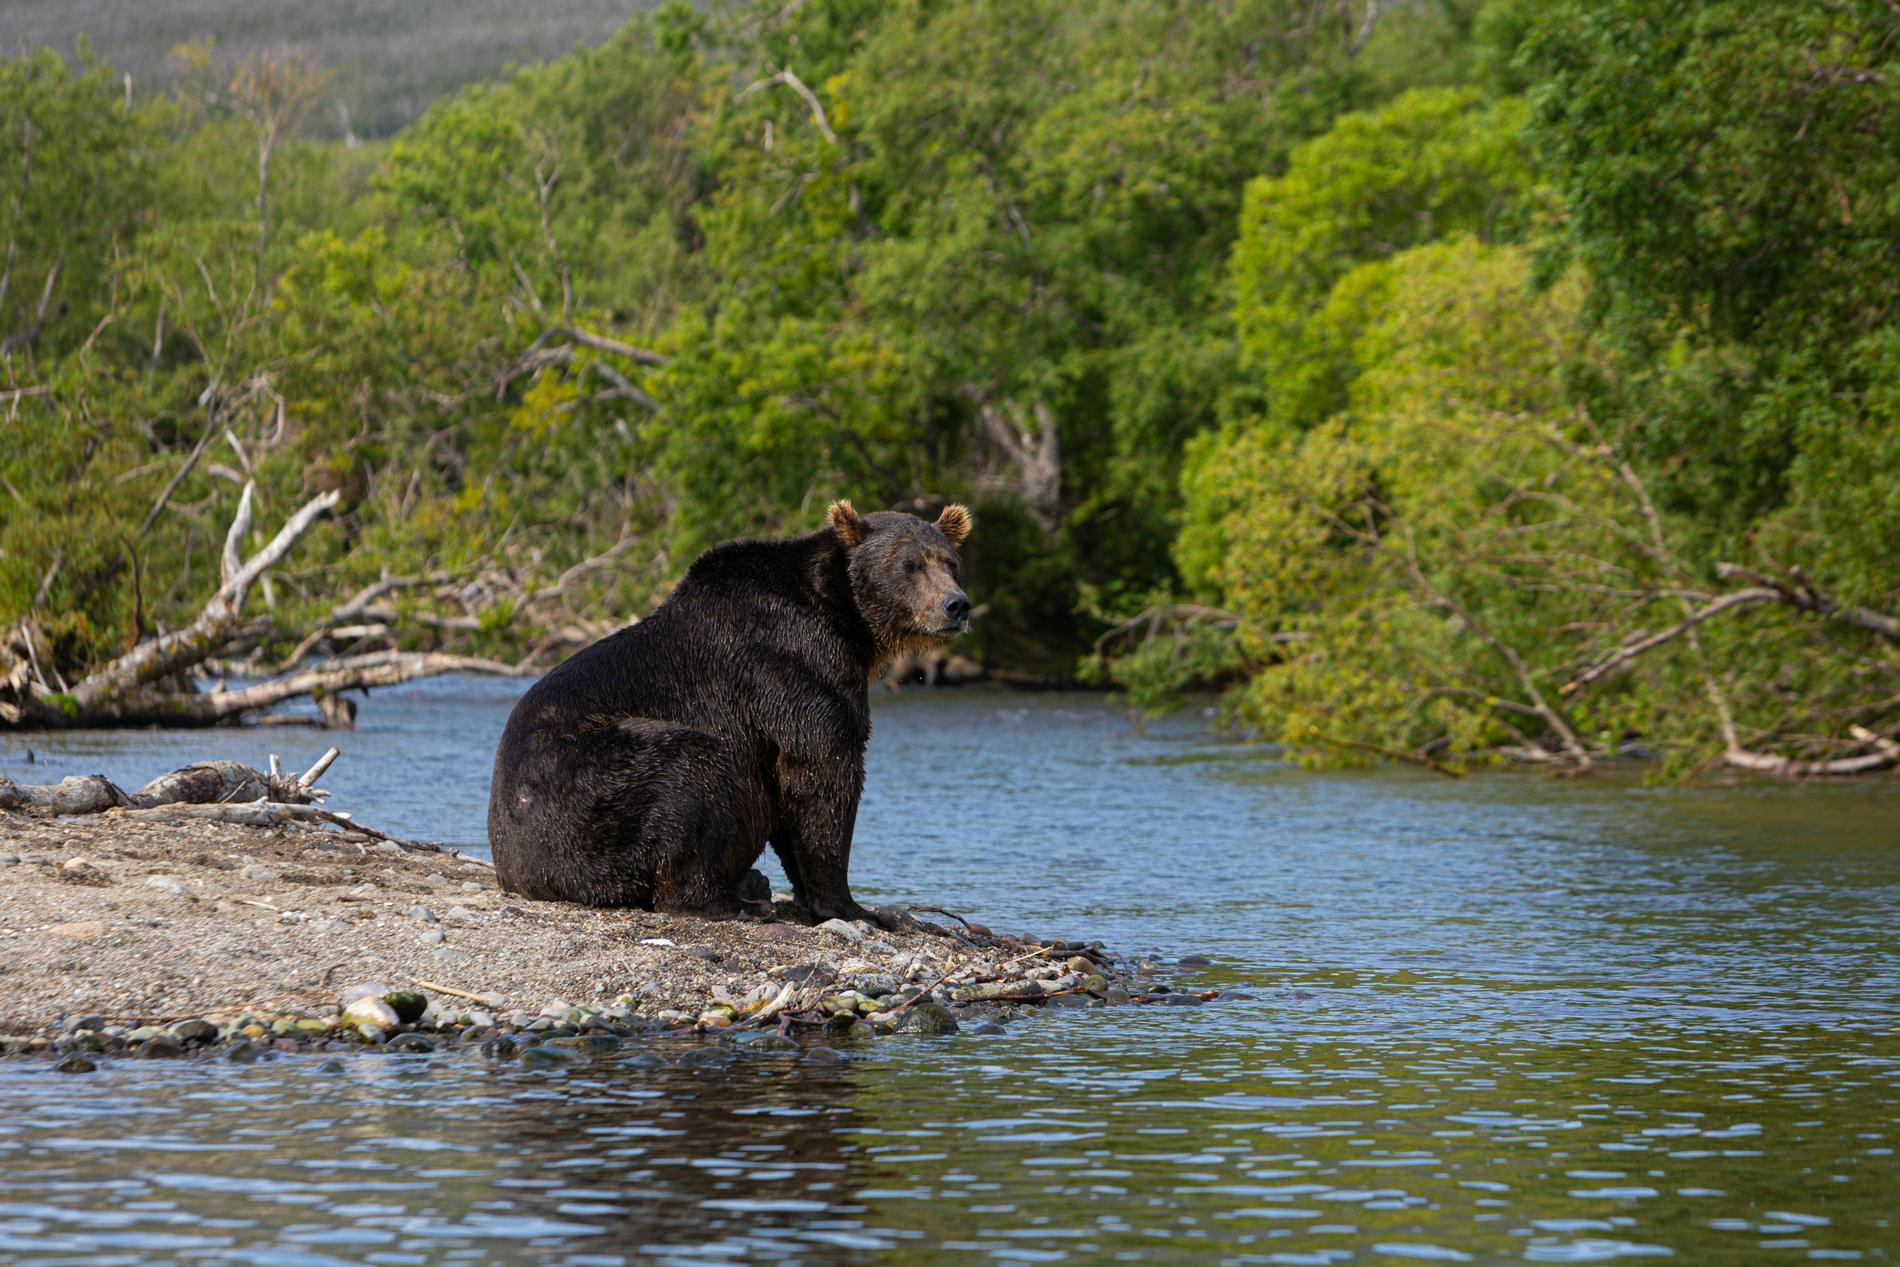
[(1502, 1019)]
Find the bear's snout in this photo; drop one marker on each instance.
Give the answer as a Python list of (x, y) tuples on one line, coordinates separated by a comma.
[(956, 605)]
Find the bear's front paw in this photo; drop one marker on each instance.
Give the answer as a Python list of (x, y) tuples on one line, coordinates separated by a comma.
[(819, 912)]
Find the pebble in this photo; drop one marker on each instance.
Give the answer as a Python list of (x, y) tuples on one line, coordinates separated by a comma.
[(87, 1022), (169, 884), (370, 1010), (241, 1054), (927, 1016), (1195, 961), (839, 928), (463, 913), (410, 1042), (423, 913), (332, 1065), (702, 952), (432, 937), (7, 859), (196, 1031), (76, 1063), (261, 873), (161, 1046), (826, 1056), (547, 1057)]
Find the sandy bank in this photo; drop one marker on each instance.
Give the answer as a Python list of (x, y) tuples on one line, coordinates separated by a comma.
[(127, 923)]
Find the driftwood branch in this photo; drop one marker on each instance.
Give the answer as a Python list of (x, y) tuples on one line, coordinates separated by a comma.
[(101, 694)]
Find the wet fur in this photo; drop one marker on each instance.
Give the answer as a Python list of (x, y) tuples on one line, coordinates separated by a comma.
[(652, 768)]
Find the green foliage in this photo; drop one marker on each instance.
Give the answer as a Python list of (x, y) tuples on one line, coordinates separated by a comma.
[(1393, 377)]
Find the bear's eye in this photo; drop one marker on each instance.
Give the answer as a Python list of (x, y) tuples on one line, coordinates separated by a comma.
[(910, 567)]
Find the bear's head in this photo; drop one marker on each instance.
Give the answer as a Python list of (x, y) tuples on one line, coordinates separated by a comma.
[(906, 574)]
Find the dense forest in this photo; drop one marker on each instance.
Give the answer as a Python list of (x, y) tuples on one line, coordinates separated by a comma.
[(1445, 381)]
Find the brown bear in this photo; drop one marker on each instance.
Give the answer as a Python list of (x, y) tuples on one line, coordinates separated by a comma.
[(652, 768)]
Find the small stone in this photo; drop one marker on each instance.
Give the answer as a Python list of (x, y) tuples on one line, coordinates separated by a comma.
[(161, 1046), (7, 859), (80, 930), (94, 1023), (371, 1010), (927, 1016), (772, 1042), (984, 1028), (547, 1058), (839, 928), (471, 886), (332, 1065), (423, 913), (76, 1063), (826, 1056), (502, 1047), (410, 1042), (169, 884), (1194, 961), (480, 1020), (409, 1004), (261, 873), (196, 1031), (598, 1044), (242, 1054), (702, 952), (462, 914), (374, 1035), (253, 1030), (1080, 966)]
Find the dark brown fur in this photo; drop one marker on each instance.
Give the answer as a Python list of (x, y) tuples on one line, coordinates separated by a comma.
[(652, 768)]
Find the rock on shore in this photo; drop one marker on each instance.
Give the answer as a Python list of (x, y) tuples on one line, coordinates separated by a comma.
[(166, 939)]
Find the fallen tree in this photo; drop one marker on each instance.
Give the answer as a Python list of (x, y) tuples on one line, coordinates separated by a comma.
[(159, 681)]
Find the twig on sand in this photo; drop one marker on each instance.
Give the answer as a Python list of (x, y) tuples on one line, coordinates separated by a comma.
[(450, 990)]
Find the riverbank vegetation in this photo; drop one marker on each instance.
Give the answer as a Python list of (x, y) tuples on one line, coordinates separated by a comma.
[(1449, 381)]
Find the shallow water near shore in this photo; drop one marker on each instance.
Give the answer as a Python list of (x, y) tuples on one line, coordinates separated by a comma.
[(1501, 1019)]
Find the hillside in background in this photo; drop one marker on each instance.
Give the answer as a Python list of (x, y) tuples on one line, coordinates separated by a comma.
[(390, 58)]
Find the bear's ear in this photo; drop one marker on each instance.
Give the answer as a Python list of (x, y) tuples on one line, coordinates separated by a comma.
[(846, 524), (955, 523)]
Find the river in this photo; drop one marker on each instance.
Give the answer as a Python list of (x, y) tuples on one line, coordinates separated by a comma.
[(1498, 1019)]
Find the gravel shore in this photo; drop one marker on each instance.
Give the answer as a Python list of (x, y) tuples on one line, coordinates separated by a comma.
[(117, 934)]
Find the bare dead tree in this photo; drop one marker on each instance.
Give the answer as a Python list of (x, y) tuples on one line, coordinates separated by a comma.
[(1033, 448), (797, 85), (150, 684)]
